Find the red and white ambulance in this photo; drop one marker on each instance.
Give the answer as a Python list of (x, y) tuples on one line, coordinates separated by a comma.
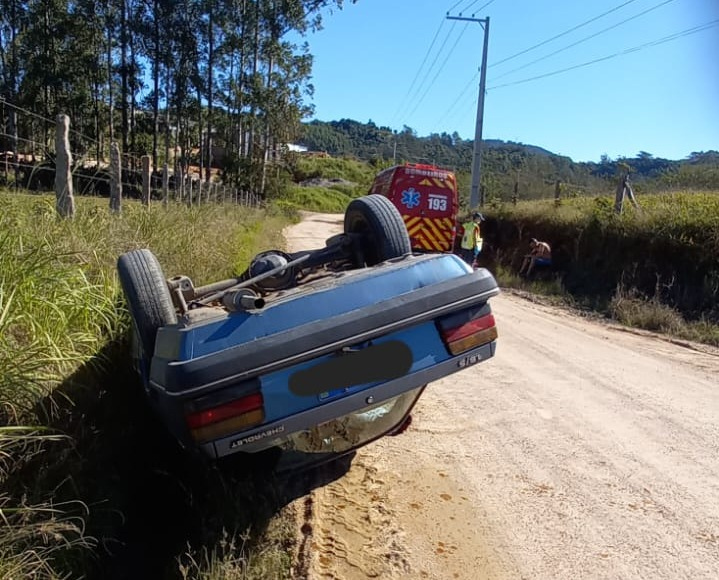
[(426, 197)]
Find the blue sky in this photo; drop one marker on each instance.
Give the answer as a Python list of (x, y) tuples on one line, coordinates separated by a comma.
[(376, 60)]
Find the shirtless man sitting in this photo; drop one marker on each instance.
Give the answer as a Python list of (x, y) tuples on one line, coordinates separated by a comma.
[(539, 254)]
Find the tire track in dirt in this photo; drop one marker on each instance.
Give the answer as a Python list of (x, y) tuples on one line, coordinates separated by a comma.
[(350, 528), (581, 450)]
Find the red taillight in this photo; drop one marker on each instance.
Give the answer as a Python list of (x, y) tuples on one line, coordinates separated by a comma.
[(221, 420), (470, 334), (471, 327)]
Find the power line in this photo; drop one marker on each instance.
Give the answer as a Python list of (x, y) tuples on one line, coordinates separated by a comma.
[(429, 70), (662, 40), (21, 110), (578, 26), (472, 80), (419, 70), (456, 101), (480, 8), (431, 66), (44, 119), (441, 68), (535, 61)]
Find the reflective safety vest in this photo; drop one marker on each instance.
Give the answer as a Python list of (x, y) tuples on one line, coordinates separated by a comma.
[(471, 239)]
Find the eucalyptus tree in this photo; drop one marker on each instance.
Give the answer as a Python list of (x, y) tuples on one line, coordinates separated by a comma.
[(219, 70), (286, 68), (90, 67), (12, 20), (154, 29), (57, 55)]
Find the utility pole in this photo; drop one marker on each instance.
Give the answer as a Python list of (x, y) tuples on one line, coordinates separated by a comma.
[(477, 157)]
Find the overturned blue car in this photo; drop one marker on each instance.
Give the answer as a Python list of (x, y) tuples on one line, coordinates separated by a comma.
[(308, 355)]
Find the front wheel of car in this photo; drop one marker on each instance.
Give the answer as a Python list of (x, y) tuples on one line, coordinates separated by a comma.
[(384, 235), (147, 295)]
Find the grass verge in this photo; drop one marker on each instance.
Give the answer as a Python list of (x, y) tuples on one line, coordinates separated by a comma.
[(627, 307), (91, 484), (654, 267)]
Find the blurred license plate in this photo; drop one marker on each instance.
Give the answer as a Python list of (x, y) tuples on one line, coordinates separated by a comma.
[(351, 369), (329, 395)]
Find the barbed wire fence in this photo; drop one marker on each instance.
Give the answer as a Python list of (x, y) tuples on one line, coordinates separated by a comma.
[(33, 147)]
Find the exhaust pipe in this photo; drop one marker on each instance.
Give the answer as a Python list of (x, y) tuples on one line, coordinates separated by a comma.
[(242, 299)]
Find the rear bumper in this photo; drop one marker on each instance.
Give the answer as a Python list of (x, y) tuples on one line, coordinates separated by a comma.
[(198, 376), (282, 432)]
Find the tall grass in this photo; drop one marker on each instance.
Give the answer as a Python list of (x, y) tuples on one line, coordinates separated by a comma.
[(304, 168), (32, 536), (53, 313), (320, 199), (63, 329), (356, 178), (232, 558), (664, 255)]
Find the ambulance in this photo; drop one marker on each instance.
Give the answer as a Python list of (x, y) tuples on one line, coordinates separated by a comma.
[(426, 197)]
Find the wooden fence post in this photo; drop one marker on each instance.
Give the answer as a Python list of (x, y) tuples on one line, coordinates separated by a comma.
[(619, 197), (15, 152), (178, 180), (115, 178), (624, 189), (629, 192), (64, 200), (145, 159), (557, 193), (166, 184), (5, 127)]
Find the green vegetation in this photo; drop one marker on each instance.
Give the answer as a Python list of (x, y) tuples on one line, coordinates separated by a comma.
[(91, 485), (173, 72), (320, 199), (303, 168), (324, 184), (533, 169), (656, 267)]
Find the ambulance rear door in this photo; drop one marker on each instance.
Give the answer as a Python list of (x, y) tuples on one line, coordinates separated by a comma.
[(426, 197)]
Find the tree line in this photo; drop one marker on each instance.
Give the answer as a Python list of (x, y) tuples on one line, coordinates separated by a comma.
[(207, 78), (505, 164)]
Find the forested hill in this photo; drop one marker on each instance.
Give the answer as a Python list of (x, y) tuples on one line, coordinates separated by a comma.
[(535, 169)]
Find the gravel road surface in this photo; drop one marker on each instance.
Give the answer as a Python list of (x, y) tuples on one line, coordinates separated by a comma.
[(581, 450)]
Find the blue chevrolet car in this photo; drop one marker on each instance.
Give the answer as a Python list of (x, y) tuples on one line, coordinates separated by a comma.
[(307, 355)]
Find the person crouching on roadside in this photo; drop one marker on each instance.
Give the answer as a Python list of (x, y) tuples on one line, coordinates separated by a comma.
[(471, 245), (540, 254)]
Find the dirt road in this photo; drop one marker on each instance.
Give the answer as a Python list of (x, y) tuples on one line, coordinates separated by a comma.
[(580, 450)]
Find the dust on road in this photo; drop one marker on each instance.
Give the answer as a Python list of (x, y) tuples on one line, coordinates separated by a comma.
[(580, 450)]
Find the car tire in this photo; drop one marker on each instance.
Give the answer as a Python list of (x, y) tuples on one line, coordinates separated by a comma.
[(385, 235), (147, 295)]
